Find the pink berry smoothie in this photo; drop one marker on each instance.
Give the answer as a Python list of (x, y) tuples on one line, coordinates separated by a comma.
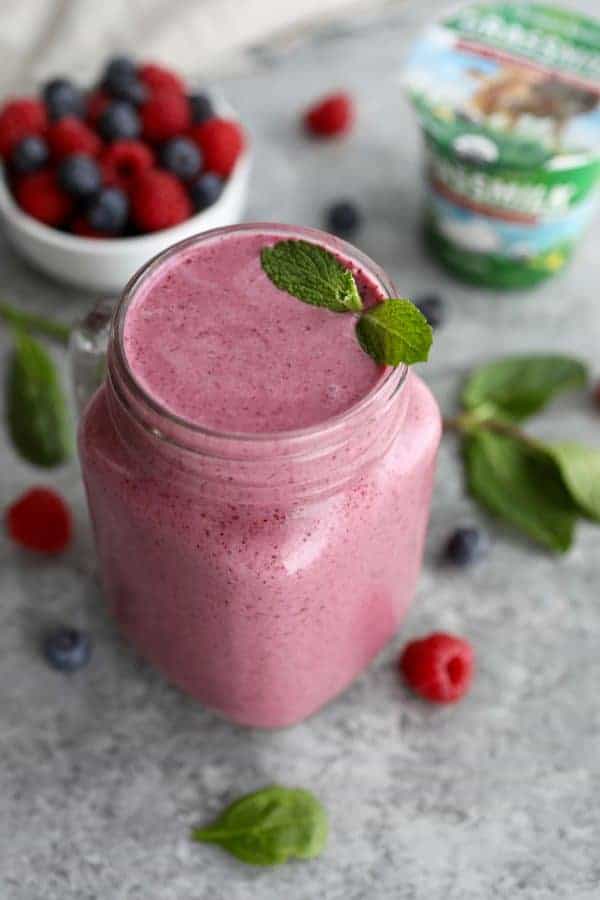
[(259, 487)]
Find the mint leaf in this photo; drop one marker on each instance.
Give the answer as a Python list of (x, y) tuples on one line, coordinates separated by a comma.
[(521, 486), (32, 322), (394, 332), (36, 410), (269, 827), (311, 274), (518, 386), (580, 470)]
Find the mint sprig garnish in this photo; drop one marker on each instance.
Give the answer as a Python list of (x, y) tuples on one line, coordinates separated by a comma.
[(33, 323), (392, 332), (311, 274), (269, 827), (540, 488)]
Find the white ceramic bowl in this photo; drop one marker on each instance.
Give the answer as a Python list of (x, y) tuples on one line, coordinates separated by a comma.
[(106, 264)]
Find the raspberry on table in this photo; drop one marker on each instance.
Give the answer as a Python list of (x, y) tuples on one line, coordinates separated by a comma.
[(158, 200), (71, 135), (40, 520), (159, 78), (122, 162), (331, 116), (29, 155), (41, 196), (20, 118), (165, 115), (221, 142), (439, 667)]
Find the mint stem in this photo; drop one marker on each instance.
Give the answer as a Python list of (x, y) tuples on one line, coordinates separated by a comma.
[(467, 423), (38, 324)]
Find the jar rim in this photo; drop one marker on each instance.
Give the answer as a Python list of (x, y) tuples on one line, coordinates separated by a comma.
[(388, 385)]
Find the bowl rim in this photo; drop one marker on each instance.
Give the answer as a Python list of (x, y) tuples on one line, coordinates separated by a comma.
[(16, 217)]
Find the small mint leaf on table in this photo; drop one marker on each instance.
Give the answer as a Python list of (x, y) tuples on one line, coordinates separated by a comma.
[(394, 332), (580, 470), (516, 387), (36, 408), (522, 486), (312, 274), (269, 827), (31, 322)]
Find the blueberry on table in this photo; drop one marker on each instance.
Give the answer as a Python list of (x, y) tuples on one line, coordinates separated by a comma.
[(466, 545), (206, 190), (201, 108), (108, 210), (29, 155), (343, 218), (182, 157), (432, 307), (79, 175), (67, 649), (63, 98), (119, 121)]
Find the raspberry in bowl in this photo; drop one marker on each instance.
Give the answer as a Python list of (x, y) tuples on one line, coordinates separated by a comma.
[(96, 183)]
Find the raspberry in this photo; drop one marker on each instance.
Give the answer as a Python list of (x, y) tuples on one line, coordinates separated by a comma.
[(221, 142), (157, 78), (40, 195), (165, 115), (82, 228), (18, 119), (159, 200), (438, 667), (71, 135), (40, 520), (96, 104), (123, 161), (331, 116)]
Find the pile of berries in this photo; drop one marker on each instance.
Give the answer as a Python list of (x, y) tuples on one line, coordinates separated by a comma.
[(135, 154)]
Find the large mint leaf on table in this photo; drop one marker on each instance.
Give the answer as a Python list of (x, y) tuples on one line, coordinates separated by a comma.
[(522, 486), (270, 826), (312, 274), (36, 409), (515, 387), (394, 332), (580, 470)]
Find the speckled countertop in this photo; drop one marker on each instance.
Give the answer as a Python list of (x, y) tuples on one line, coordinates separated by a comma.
[(102, 774)]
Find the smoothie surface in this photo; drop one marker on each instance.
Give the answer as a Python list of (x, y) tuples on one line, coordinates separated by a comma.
[(213, 341)]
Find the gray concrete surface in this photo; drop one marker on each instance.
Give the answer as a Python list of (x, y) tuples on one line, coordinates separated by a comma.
[(102, 774)]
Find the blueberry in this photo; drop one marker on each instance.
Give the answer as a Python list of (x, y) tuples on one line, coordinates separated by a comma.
[(432, 307), (119, 121), (343, 218), (63, 98), (201, 108), (466, 545), (29, 155), (206, 190), (131, 90), (108, 210), (181, 157), (79, 175), (67, 648), (118, 67)]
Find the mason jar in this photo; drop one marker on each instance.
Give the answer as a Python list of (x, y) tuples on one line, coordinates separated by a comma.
[(261, 573)]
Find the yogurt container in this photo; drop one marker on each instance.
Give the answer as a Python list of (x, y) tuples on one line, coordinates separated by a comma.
[(508, 99)]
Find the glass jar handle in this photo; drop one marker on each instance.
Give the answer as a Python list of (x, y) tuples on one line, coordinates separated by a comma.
[(87, 351)]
